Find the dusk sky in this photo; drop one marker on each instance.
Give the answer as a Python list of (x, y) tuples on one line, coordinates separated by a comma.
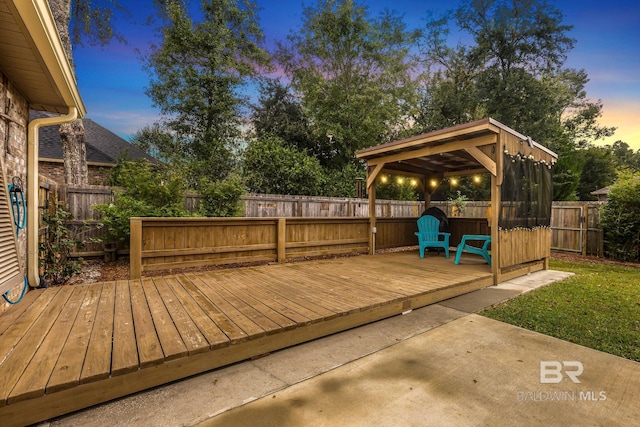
[(112, 82)]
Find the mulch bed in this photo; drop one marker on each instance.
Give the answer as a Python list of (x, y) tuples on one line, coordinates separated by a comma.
[(573, 257)]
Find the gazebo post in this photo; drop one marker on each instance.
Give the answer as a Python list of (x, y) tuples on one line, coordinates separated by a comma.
[(371, 191), (430, 184), (427, 193), (496, 188)]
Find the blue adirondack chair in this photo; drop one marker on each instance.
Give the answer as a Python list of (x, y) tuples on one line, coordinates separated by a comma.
[(429, 235)]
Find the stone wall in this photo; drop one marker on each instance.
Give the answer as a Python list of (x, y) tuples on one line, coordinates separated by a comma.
[(14, 116)]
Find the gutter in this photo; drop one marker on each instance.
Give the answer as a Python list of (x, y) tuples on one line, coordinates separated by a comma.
[(33, 191)]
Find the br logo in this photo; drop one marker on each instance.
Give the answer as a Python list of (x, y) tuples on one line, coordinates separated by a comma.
[(553, 371)]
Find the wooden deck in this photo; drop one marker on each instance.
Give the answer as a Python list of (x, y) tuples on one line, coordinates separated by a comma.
[(67, 348)]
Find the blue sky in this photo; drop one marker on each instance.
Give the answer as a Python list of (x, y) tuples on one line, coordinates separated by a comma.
[(112, 82)]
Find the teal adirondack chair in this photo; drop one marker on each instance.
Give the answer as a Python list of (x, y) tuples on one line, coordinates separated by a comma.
[(429, 235)]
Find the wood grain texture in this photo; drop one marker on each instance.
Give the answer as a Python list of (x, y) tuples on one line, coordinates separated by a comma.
[(111, 339)]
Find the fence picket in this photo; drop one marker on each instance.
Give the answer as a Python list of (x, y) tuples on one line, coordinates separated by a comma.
[(84, 226)]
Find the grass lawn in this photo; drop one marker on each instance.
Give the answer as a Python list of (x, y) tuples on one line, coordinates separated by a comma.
[(599, 308)]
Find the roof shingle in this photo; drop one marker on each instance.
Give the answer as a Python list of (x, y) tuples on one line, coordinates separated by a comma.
[(103, 146)]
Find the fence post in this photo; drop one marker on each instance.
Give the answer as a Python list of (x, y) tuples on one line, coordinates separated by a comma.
[(585, 228), (135, 249), (282, 240)]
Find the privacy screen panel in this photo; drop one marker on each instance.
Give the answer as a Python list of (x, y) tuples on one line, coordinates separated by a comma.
[(527, 192)]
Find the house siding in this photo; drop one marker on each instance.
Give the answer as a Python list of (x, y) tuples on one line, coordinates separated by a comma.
[(13, 149)]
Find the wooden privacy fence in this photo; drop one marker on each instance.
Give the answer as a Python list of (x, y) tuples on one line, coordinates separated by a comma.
[(574, 225), (79, 201), (272, 205), (166, 243)]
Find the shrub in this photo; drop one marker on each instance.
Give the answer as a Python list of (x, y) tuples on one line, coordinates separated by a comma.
[(116, 216), (156, 185), (221, 198), (620, 219), (56, 247), (145, 190), (272, 167)]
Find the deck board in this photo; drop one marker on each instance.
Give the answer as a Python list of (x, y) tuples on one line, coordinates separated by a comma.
[(149, 348), (251, 312), (234, 285), (17, 360), (250, 284), (194, 341), (19, 326), (16, 311), (97, 362), (322, 291), (296, 294), (34, 379), (213, 334), (360, 288), (66, 373), (227, 326), (278, 291), (125, 349), (241, 319), (168, 335), (72, 347)]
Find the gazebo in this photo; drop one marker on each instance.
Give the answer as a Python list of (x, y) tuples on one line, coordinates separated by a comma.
[(521, 185)]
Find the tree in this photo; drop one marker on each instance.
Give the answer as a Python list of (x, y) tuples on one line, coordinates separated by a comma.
[(598, 171), (620, 218), (159, 142), (625, 157), (196, 75), (280, 114), (353, 73), (396, 188), (78, 20), (159, 186), (517, 44), (271, 167), (343, 182), (450, 95), (516, 75)]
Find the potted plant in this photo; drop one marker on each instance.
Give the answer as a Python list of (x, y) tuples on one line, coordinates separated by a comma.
[(458, 204)]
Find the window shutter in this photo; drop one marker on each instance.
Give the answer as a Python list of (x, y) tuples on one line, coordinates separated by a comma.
[(10, 275)]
